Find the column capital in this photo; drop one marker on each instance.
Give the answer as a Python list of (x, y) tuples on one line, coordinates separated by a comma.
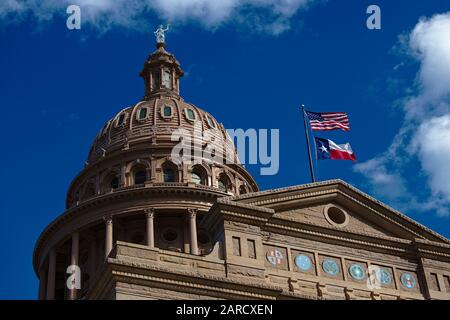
[(192, 213), (108, 219), (149, 212)]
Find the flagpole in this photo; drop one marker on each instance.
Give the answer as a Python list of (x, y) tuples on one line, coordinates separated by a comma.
[(311, 167)]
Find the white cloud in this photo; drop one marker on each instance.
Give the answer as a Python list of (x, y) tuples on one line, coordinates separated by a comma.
[(273, 15), (431, 143), (425, 133)]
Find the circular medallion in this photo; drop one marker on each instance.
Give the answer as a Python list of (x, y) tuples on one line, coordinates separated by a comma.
[(357, 272), (274, 256), (303, 262), (330, 266), (408, 280), (383, 276)]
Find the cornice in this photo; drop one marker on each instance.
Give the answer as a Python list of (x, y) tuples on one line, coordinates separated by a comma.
[(193, 281)]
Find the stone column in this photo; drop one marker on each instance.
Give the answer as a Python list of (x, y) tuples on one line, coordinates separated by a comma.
[(150, 234), (74, 260), (51, 275), (42, 283), (186, 237), (184, 173), (193, 230), (108, 236)]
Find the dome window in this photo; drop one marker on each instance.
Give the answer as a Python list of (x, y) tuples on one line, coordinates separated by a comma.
[(142, 114), (169, 175), (140, 177), (210, 121), (199, 175), (196, 178), (121, 119), (166, 112), (169, 172), (114, 183), (224, 184), (190, 114), (242, 190)]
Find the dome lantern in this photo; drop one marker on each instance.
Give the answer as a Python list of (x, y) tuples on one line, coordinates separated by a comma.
[(162, 71)]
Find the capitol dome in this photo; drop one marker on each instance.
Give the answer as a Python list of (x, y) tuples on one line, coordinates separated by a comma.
[(133, 190), (144, 132)]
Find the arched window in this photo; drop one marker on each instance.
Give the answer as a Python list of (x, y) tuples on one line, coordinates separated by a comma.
[(114, 183), (199, 175), (169, 175), (222, 186), (170, 172), (196, 178), (224, 183), (242, 190), (140, 176)]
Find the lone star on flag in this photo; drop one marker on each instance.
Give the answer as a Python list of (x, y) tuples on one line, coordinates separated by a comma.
[(323, 148)]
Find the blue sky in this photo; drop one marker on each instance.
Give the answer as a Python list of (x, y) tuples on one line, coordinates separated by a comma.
[(250, 66)]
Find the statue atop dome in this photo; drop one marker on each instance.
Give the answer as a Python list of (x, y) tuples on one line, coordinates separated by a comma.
[(159, 33)]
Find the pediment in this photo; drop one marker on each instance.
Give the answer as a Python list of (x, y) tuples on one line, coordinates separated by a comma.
[(327, 204), (345, 219)]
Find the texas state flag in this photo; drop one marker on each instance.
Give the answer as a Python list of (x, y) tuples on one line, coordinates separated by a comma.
[(327, 149)]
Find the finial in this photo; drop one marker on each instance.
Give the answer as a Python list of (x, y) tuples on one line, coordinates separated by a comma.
[(160, 36)]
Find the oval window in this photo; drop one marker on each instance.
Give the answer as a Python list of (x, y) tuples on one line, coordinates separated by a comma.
[(190, 114), (210, 122), (336, 216), (142, 113), (167, 112)]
